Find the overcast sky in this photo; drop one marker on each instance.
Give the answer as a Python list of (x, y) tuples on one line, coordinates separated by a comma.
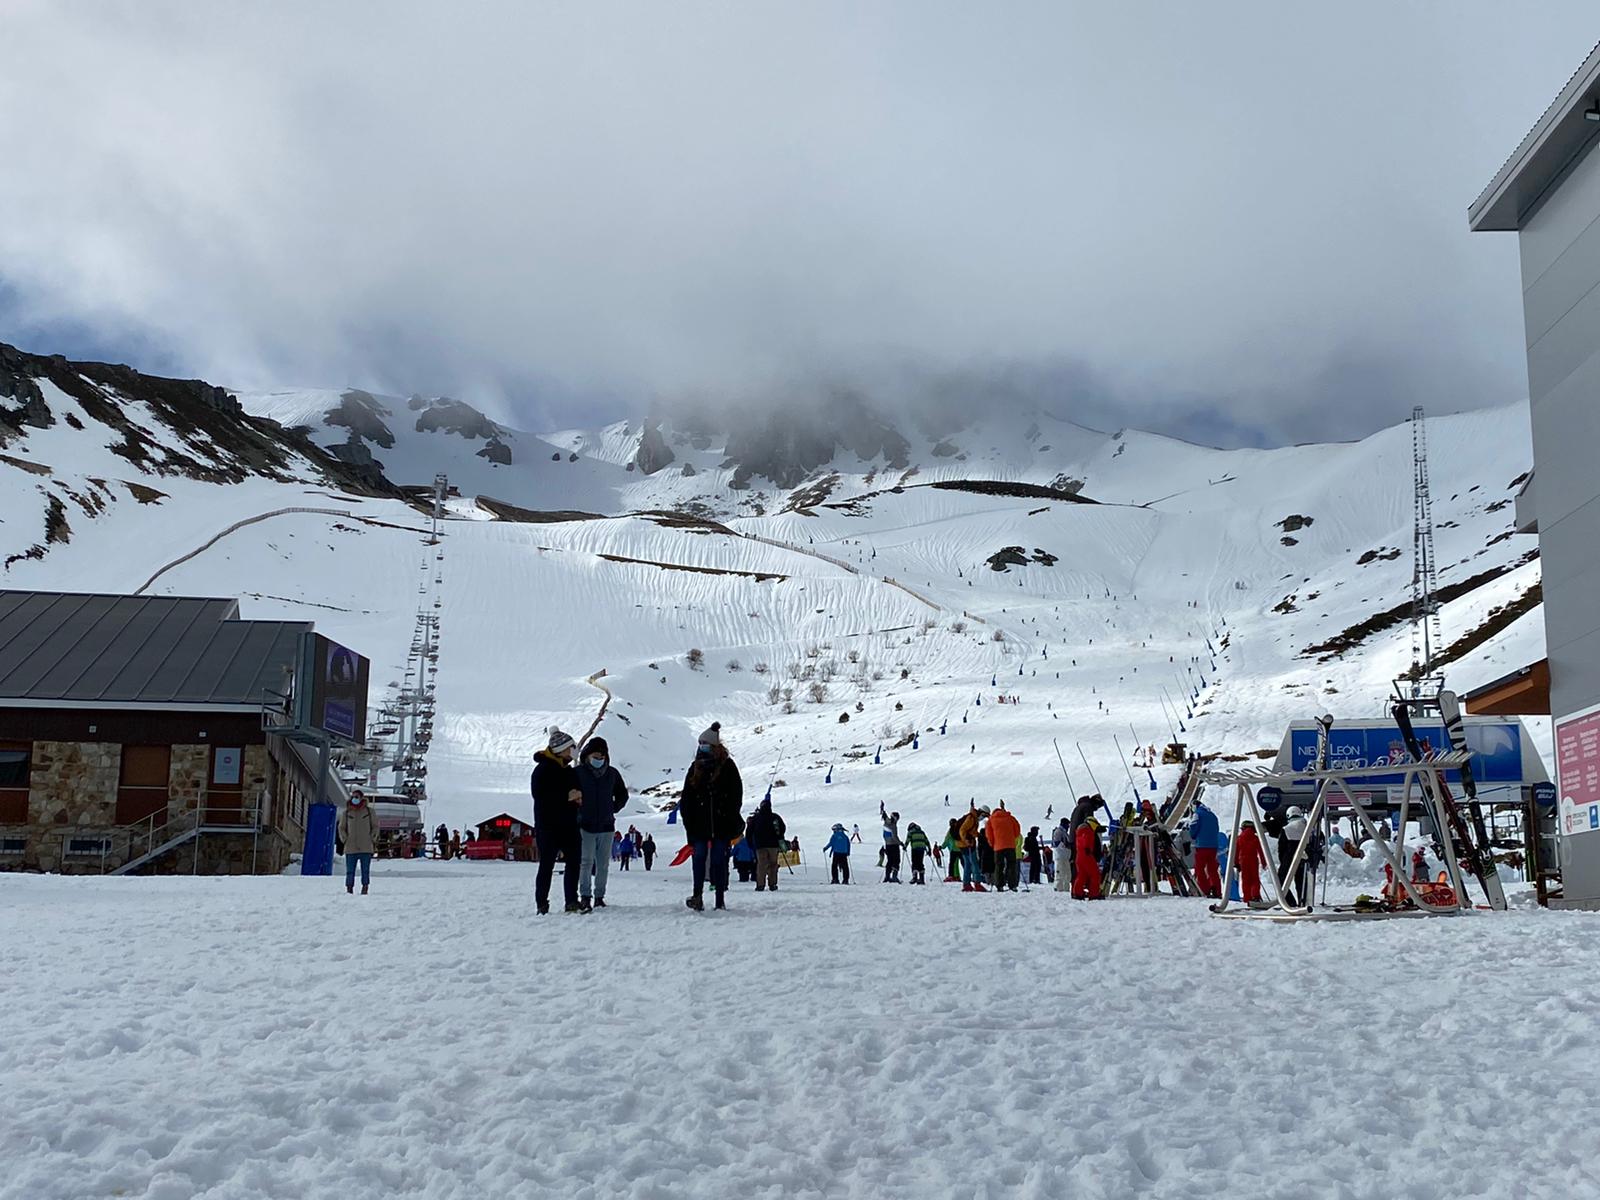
[(1240, 222)]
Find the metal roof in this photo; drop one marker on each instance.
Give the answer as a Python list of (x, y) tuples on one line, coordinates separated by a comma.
[(1560, 137), (77, 648)]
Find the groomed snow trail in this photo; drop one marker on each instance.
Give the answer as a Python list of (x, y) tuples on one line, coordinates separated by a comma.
[(229, 1038)]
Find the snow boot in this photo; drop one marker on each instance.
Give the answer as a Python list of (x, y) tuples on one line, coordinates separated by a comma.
[(363, 889), (599, 902), (696, 902), (351, 888), (572, 908), (721, 903), (585, 907), (543, 909)]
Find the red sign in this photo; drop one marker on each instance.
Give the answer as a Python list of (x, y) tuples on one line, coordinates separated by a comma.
[(1578, 772)]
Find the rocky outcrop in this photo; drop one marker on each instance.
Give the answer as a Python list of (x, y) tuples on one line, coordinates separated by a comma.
[(496, 451), (653, 453), (456, 416), (362, 414)]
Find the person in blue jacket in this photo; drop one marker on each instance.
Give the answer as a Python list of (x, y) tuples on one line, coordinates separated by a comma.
[(1206, 833), (744, 860), (839, 848)]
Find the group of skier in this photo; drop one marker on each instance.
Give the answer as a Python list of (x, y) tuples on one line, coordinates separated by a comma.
[(577, 794)]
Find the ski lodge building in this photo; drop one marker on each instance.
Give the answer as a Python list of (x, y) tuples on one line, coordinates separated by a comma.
[(1548, 193), (132, 737)]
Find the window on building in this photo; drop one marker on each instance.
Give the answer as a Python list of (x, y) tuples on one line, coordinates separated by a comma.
[(16, 762), (88, 845), (13, 845), (142, 789)]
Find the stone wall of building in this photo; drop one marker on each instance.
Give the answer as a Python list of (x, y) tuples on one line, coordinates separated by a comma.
[(186, 779), (74, 783), (73, 793)]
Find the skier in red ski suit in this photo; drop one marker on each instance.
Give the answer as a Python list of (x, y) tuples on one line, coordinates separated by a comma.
[(1249, 859), (1086, 869)]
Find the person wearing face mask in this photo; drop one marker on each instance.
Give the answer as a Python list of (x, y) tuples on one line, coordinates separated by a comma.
[(711, 811), (358, 830), (604, 796), (556, 799)]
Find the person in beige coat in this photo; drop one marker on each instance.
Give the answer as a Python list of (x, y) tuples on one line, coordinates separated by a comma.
[(358, 831)]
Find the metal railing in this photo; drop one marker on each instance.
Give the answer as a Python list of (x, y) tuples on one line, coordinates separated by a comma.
[(121, 845)]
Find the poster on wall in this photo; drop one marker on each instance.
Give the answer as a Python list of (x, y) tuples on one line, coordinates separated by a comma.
[(331, 696), (228, 766), (1578, 770)]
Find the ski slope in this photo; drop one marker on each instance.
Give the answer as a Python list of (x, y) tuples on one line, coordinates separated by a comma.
[(884, 599)]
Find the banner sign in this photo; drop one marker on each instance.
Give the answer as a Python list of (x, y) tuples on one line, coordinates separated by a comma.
[(1578, 770), (1496, 749), (331, 691)]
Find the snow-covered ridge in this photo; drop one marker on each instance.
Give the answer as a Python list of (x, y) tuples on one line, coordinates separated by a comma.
[(832, 618)]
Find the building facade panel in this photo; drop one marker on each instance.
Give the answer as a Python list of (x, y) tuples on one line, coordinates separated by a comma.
[(1570, 343), (1567, 283), (1566, 212)]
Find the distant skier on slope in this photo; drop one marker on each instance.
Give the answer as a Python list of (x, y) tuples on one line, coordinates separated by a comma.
[(711, 811), (838, 848)]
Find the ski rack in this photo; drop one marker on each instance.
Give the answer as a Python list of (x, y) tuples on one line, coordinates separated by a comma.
[(1153, 845), (1421, 787)]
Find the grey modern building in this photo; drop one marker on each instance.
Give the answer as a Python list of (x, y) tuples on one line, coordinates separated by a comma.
[(1548, 192)]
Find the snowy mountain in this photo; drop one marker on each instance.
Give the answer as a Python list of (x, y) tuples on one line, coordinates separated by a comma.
[(858, 599)]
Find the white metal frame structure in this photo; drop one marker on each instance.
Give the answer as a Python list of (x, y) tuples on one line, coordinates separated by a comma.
[(1421, 794)]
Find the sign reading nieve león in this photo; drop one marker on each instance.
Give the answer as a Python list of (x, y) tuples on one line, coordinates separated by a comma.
[(331, 692), (1578, 770)]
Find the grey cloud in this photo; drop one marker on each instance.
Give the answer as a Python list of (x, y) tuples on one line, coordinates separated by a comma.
[(1231, 219)]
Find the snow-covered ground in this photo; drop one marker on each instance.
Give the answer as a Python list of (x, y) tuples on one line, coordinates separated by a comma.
[(179, 1038)]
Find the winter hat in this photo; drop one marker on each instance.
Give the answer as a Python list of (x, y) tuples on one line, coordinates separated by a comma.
[(766, 806), (713, 736), (559, 742), (838, 828), (596, 745)]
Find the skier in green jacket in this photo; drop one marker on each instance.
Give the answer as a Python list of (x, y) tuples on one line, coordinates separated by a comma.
[(919, 845)]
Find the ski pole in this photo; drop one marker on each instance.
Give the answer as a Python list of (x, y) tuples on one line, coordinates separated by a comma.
[(1131, 784), (1063, 762)]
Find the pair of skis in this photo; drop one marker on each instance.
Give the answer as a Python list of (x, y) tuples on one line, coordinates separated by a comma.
[(1472, 842)]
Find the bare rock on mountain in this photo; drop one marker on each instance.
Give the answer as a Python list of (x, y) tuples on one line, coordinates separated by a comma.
[(362, 414), (445, 415), (496, 451), (653, 452)]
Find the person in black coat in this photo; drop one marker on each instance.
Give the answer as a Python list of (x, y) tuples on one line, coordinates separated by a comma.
[(1031, 850), (766, 833), (556, 799), (648, 849), (711, 811)]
